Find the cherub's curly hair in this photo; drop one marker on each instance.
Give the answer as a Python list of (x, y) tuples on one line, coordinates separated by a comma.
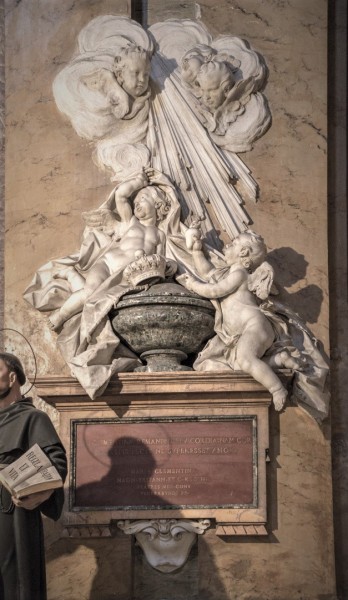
[(248, 240), (161, 201), (216, 68), (127, 52)]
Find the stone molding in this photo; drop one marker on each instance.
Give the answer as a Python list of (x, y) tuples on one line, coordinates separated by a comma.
[(239, 386)]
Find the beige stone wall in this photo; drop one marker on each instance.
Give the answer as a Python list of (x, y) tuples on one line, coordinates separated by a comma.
[(50, 177), (296, 561), (289, 162)]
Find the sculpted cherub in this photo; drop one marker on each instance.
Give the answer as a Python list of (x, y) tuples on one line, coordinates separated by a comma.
[(193, 60), (241, 324), (132, 69), (132, 229), (223, 96), (125, 87), (213, 83), (211, 76)]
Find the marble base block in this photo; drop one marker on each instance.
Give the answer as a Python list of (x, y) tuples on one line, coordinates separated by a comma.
[(293, 558)]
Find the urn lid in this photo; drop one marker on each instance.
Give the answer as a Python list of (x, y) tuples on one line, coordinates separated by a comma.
[(165, 293)]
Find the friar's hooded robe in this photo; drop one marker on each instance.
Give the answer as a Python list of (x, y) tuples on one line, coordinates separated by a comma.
[(22, 560)]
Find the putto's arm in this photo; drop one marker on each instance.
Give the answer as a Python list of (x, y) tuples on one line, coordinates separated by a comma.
[(226, 286), (123, 193), (161, 246), (203, 266)]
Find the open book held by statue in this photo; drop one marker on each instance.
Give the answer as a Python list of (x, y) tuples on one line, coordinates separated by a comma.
[(33, 472)]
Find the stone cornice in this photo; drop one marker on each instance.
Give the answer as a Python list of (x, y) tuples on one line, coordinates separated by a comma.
[(236, 388)]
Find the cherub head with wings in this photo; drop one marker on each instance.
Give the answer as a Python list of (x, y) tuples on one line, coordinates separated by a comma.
[(192, 61), (132, 69), (213, 83)]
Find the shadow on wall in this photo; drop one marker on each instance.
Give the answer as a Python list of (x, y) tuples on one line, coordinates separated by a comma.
[(115, 568), (291, 268)]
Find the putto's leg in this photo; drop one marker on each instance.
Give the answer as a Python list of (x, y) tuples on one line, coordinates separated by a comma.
[(251, 346), (72, 306)]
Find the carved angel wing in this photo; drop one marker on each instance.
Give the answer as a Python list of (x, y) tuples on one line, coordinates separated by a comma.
[(234, 105), (101, 219), (241, 91), (104, 82), (261, 280)]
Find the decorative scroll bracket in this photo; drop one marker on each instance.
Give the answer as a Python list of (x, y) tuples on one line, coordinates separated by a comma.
[(166, 543)]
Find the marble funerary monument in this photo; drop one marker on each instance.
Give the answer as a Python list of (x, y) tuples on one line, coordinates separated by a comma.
[(182, 375)]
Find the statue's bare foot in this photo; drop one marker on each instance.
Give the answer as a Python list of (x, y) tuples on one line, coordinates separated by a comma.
[(55, 321), (279, 398), (290, 362)]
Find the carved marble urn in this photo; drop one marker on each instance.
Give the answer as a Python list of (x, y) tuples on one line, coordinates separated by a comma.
[(164, 324)]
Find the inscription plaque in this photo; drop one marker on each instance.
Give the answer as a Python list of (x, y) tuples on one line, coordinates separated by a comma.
[(164, 463)]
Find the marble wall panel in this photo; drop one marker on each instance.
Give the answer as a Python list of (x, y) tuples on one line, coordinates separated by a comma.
[(95, 569), (290, 161), (50, 177), (159, 10)]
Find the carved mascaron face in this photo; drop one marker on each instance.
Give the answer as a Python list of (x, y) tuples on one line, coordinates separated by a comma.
[(167, 552), (134, 77)]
